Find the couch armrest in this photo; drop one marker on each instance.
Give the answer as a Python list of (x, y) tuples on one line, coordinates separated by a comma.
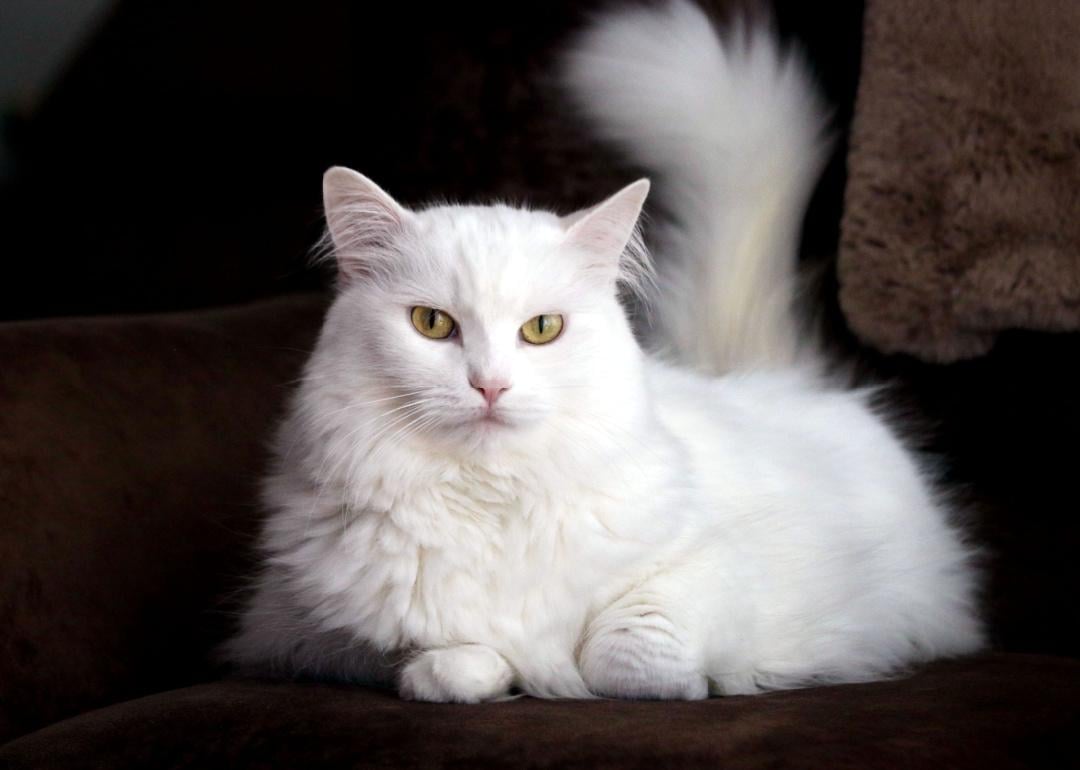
[(130, 448)]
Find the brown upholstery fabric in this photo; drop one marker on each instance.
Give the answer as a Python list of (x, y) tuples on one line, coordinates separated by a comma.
[(995, 712), (962, 215), (129, 452)]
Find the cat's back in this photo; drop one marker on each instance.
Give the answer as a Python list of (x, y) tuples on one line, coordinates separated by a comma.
[(805, 489), (783, 438)]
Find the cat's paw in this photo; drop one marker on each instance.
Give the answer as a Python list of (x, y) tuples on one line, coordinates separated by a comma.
[(636, 652), (465, 673)]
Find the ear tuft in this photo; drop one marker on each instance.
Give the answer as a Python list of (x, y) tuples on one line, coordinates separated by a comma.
[(361, 220)]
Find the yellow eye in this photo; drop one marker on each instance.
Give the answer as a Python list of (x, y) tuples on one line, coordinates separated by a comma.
[(433, 323), (541, 329)]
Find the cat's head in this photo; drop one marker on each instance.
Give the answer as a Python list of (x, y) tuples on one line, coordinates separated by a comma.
[(481, 325)]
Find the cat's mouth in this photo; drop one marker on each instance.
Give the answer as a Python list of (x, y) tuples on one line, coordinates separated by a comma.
[(487, 419), (491, 417)]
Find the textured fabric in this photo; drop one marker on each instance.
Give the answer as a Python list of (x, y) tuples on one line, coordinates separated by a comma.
[(962, 215), (996, 712), (129, 454)]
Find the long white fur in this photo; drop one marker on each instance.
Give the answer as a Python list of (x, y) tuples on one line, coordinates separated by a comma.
[(627, 527), (736, 135)]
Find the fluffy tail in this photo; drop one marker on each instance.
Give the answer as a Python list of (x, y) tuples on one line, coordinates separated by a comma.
[(734, 132)]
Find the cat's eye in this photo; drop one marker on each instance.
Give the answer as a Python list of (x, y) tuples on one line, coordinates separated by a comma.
[(432, 323), (542, 328)]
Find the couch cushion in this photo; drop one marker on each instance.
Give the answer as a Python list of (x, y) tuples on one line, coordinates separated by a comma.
[(960, 217), (130, 449), (1004, 711)]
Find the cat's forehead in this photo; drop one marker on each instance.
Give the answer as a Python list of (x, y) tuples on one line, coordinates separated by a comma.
[(495, 253), (494, 234)]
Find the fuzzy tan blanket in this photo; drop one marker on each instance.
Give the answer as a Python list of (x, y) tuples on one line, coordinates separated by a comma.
[(962, 212)]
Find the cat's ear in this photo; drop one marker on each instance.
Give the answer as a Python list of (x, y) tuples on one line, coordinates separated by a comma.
[(603, 231), (362, 220)]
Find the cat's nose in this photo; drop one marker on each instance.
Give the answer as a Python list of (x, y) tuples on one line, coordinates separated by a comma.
[(490, 389)]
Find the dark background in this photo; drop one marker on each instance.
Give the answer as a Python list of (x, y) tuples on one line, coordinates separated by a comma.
[(177, 162), (177, 165)]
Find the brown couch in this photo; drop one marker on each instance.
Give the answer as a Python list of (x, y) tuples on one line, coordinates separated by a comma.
[(129, 450), (130, 445)]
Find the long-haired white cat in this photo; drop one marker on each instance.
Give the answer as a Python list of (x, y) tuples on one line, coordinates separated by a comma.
[(484, 483)]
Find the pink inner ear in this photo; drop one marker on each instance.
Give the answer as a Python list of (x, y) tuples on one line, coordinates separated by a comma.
[(605, 229)]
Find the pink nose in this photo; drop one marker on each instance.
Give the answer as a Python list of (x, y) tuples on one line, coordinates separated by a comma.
[(490, 390)]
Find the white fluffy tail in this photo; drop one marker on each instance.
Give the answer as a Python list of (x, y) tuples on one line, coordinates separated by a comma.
[(734, 131)]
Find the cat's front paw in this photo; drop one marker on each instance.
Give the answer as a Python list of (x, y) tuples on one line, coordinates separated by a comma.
[(636, 652), (464, 673)]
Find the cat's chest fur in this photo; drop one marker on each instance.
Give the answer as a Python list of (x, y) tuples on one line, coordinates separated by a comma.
[(489, 557)]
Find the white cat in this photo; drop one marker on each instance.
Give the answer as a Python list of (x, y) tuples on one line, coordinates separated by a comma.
[(483, 482)]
